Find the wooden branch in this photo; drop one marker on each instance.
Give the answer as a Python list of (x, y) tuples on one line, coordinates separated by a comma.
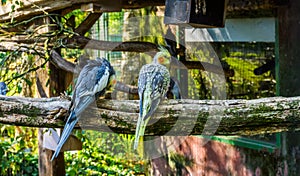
[(208, 67), (126, 88), (61, 63), (13, 46), (182, 117), (36, 7), (81, 42), (87, 24)]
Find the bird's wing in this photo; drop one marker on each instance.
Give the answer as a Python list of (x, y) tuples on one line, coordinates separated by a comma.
[(160, 80), (3, 88), (83, 90), (141, 88), (91, 81)]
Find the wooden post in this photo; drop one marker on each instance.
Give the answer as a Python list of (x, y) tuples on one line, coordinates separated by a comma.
[(289, 53), (46, 167), (59, 80), (183, 72), (288, 74)]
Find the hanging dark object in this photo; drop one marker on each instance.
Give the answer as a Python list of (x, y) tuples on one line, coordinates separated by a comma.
[(197, 13)]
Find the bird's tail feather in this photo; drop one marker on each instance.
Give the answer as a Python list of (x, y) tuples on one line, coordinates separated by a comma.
[(140, 131), (137, 131), (65, 135)]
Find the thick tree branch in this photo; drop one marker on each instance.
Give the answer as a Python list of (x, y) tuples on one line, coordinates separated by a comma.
[(182, 117)]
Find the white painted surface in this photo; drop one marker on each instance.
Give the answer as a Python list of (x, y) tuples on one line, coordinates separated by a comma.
[(235, 30)]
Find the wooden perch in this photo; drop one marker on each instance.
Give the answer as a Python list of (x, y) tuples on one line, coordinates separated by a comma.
[(61, 63), (182, 117)]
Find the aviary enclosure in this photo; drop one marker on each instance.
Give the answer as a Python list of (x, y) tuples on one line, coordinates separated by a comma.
[(230, 66)]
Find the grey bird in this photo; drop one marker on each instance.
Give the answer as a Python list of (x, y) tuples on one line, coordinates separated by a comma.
[(153, 83), (3, 88), (93, 80)]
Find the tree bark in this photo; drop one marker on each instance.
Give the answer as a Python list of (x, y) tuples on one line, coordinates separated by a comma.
[(173, 117)]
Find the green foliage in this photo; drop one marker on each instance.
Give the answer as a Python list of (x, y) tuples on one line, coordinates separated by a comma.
[(104, 153), (115, 23), (243, 58), (246, 83), (18, 151), (13, 66), (79, 17), (201, 82)]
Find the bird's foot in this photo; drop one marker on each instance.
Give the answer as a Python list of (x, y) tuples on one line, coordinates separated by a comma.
[(59, 113), (65, 96)]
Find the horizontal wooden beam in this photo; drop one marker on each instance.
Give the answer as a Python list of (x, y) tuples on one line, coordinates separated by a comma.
[(37, 7), (173, 117)]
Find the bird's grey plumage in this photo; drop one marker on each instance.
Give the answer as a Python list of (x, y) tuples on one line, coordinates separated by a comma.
[(3, 88), (174, 88), (153, 84), (91, 83)]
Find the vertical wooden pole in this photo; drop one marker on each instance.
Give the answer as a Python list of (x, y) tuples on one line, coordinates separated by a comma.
[(183, 72), (58, 81), (288, 74), (47, 167), (289, 53)]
